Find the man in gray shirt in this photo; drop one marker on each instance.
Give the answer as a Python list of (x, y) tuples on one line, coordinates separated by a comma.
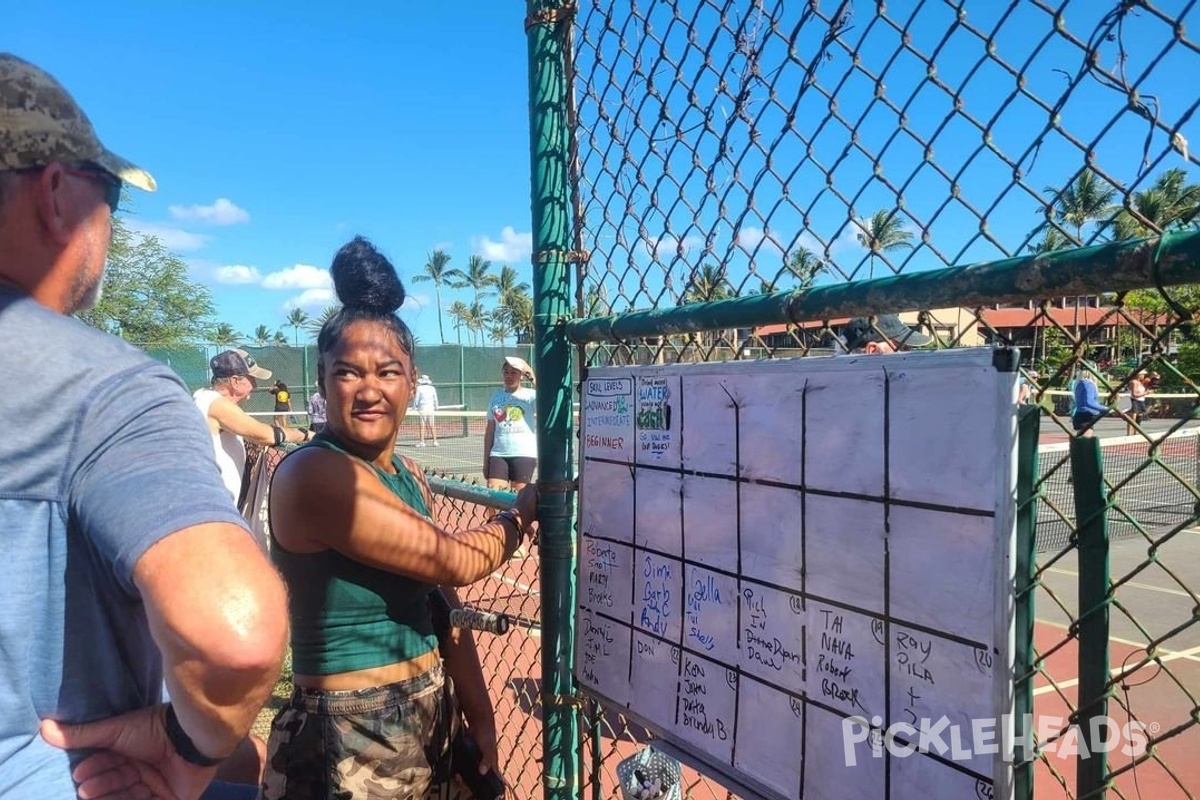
[(127, 565)]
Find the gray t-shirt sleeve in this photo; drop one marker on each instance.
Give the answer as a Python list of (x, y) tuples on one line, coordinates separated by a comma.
[(142, 468)]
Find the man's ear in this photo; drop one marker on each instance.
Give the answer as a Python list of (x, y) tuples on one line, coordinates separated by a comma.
[(321, 378), (53, 203)]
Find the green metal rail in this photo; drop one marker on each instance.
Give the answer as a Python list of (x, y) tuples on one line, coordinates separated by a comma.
[(1169, 260)]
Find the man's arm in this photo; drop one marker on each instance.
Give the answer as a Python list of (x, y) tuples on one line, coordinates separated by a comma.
[(217, 610), (222, 631), (233, 419)]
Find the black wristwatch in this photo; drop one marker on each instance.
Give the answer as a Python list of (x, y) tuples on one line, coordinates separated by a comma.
[(513, 517), (183, 743)]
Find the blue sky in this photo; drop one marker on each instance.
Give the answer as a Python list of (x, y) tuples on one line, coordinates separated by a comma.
[(796, 162), (277, 131)]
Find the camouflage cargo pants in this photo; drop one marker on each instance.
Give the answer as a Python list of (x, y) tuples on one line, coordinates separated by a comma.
[(384, 743)]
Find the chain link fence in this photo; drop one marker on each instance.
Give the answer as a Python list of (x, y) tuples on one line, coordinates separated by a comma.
[(790, 150)]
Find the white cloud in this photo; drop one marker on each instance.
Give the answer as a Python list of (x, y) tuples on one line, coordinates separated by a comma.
[(299, 276), (311, 298), (416, 302), (757, 240), (668, 246), (512, 246), (221, 212), (237, 274), (171, 237)]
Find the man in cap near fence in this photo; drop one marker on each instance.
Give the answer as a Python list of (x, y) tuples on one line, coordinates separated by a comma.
[(235, 376), (127, 564), (882, 334)]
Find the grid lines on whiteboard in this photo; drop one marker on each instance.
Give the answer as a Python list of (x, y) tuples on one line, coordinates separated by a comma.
[(768, 600)]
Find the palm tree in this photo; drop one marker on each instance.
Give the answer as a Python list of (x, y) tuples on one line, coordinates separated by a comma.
[(507, 284), (262, 334), (520, 315), (804, 265), (224, 336), (500, 325), (1089, 197), (316, 323), (882, 233), (459, 312), (595, 302), (477, 318), (707, 283), (1170, 202), (279, 339), (1052, 239), (297, 320), (476, 277), (435, 270)]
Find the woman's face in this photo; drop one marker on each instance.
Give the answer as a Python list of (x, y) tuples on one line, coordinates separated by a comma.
[(368, 381), (512, 377)]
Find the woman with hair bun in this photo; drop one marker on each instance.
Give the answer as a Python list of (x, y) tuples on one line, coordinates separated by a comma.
[(375, 706)]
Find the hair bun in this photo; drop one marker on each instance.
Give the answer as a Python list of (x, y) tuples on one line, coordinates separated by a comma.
[(365, 280)]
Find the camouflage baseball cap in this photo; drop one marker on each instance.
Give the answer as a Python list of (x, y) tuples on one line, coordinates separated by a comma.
[(40, 123)]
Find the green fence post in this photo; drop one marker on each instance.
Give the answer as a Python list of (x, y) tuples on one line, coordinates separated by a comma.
[(547, 26), (1091, 514), (307, 378), (462, 376), (1028, 423)]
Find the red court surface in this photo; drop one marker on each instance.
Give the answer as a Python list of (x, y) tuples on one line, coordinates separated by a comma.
[(1156, 699)]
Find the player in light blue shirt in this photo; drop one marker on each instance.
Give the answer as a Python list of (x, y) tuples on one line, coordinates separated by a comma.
[(127, 567)]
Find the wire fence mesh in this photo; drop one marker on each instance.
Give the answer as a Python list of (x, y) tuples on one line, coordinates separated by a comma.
[(727, 149), (511, 662)]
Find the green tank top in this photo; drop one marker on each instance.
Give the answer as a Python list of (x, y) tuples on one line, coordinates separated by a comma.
[(348, 616)]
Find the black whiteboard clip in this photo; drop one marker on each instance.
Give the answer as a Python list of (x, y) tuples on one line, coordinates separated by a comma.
[(1006, 359)]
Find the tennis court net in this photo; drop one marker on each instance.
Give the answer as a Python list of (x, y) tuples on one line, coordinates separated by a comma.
[(1154, 481), (457, 448)]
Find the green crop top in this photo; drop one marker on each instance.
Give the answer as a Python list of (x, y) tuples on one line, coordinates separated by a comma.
[(348, 616)]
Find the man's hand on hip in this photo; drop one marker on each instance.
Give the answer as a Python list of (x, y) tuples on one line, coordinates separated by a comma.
[(133, 758)]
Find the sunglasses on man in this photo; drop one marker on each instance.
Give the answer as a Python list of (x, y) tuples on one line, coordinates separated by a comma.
[(112, 184)]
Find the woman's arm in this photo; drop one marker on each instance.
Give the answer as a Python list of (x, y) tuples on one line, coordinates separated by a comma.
[(463, 665), (488, 435), (322, 499)]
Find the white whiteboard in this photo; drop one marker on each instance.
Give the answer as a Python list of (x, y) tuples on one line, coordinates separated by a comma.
[(768, 548)]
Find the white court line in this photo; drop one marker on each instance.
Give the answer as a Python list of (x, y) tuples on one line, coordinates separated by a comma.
[(1191, 654), (529, 590), (1134, 584)]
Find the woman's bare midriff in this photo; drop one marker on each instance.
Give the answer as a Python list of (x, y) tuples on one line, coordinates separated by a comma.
[(368, 678)]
